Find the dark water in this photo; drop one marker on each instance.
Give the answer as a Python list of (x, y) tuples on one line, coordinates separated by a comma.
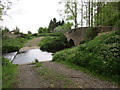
[(30, 55)]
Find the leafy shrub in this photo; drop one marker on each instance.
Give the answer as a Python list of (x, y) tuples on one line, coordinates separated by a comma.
[(100, 55), (8, 73), (53, 44)]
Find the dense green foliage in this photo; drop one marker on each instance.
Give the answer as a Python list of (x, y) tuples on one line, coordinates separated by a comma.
[(100, 55), (12, 44), (54, 23), (108, 14), (53, 44), (8, 73), (43, 30), (64, 28)]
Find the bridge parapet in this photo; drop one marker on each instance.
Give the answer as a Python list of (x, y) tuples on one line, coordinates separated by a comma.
[(77, 35)]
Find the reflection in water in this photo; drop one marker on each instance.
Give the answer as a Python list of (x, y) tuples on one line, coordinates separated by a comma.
[(31, 55)]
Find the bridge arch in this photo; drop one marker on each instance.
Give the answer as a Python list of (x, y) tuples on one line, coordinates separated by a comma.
[(71, 42)]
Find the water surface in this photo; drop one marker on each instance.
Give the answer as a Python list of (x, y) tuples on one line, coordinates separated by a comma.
[(30, 55)]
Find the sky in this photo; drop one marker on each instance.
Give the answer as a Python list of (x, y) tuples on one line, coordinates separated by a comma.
[(29, 15)]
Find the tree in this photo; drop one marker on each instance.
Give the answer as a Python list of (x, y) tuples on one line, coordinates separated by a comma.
[(60, 23), (82, 13), (64, 28), (4, 6), (108, 14), (71, 11), (42, 30), (53, 24), (5, 30), (16, 30), (29, 32)]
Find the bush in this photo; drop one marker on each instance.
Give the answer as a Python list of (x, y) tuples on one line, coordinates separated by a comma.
[(53, 44), (100, 55)]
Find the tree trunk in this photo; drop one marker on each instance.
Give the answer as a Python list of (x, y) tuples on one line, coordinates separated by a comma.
[(76, 24), (89, 13), (81, 13)]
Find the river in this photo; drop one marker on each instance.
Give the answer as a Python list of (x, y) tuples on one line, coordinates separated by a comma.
[(28, 56)]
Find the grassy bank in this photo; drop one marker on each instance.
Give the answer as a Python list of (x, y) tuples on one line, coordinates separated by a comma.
[(8, 73), (53, 44), (100, 55), (12, 44)]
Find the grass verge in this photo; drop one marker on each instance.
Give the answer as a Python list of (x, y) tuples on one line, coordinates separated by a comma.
[(9, 73)]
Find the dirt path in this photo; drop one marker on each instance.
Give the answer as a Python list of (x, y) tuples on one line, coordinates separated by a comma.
[(56, 75), (32, 44), (27, 77), (81, 79)]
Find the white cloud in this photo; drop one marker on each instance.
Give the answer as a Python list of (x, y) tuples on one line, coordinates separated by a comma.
[(31, 14)]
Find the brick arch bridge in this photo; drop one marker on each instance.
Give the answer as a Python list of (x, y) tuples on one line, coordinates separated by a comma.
[(77, 35)]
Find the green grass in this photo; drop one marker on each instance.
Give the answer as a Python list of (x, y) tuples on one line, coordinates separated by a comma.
[(100, 55), (12, 44), (37, 64), (8, 74)]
